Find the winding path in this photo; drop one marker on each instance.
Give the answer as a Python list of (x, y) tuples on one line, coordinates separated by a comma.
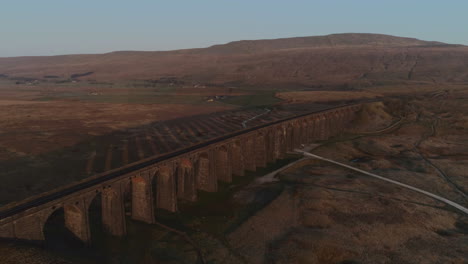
[(434, 196), (244, 123)]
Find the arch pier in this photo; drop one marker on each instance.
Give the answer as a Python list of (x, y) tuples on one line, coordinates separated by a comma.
[(138, 189)]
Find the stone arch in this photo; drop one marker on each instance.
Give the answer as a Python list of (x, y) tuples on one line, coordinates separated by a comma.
[(248, 149), (204, 174), (355, 111), (55, 233), (222, 164), (347, 116), (303, 139), (350, 115), (95, 217), (142, 197), (166, 189), (341, 119), (44, 218), (343, 114), (328, 125), (323, 127), (185, 175), (310, 130), (280, 144), (270, 145), (297, 134), (332, 124), (77, 219), (127, 196), (260, 150), (113, 208), (316, 128), (338, 121), (289, 137), (237, 158)]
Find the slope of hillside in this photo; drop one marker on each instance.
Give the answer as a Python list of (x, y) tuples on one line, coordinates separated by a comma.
[(334, 40), (308, 61)]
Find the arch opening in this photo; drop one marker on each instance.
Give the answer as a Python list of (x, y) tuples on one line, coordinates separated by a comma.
[(280, 144), (222, 165), (142, 199), (185, 181), (127, 198), (96, 228), (203, 181), (248, 149), (57, 236), (296, 141), (165, 192), (304, 132), (237, 159), (289, 138), (270, 146), (260, 150)]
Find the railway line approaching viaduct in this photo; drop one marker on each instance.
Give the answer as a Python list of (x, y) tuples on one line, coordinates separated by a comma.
[(159, 182)]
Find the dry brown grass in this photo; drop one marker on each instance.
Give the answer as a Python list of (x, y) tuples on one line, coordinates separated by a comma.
[(32, 128), (344, 217), (324, 96), (351, 59)]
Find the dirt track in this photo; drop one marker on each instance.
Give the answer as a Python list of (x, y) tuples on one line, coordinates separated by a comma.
[(326, 214), (345, 217)]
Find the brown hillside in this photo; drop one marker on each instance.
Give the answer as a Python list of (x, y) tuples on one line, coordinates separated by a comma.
[(310, 61), (334, 40)]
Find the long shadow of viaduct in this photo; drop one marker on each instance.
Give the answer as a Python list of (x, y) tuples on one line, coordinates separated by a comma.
[(141, 179)]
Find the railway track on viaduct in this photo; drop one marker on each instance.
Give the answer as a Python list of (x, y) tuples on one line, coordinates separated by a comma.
[(160, 181)]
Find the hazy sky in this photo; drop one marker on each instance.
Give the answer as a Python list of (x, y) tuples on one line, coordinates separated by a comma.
[(49, 27)]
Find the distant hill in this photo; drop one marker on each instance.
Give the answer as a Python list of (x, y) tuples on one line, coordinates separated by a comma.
[(330, 60), (334, 40)]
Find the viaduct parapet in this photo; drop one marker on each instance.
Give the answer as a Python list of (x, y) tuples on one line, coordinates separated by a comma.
[(162, 182)]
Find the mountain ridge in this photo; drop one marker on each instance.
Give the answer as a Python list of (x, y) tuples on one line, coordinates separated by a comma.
[(331, 40), (310, 61)]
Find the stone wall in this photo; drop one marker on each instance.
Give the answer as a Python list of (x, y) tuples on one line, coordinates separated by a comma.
[(160, 185)]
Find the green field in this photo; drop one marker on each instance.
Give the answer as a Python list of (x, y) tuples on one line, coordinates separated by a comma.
[(139, 94)]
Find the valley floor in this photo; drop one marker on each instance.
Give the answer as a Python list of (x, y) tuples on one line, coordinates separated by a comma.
[(320, 213)]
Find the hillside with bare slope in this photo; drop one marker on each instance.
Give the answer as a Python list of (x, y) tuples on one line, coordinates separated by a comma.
[(365, 59)]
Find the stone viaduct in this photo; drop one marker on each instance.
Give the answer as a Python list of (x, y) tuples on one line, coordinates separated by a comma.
[(160, 182)]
